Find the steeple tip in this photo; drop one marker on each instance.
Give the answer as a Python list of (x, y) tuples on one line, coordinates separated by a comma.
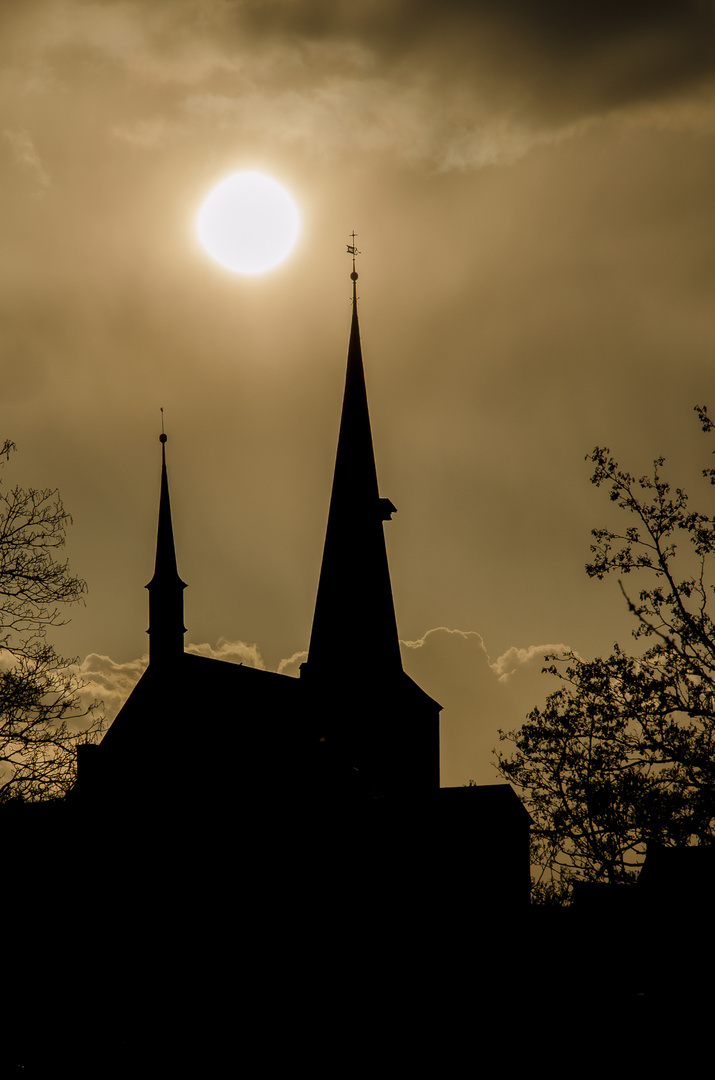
[(352, 250), (163, 440)]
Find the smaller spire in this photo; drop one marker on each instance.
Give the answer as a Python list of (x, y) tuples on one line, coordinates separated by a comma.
[(166, 589)]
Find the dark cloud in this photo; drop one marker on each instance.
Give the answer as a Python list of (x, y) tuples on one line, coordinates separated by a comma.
[(460, 84), (554, 60)]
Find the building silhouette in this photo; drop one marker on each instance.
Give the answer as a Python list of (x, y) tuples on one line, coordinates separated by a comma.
[(235, 819), (365, 737), (339, 750), (251, 863), (326, 772)]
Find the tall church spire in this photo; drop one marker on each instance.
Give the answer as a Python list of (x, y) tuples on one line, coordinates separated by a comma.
[(354, 604), (166, 589)]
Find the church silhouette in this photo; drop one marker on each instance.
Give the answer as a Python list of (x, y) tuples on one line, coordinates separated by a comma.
[(364, 737), (257, 867), (338, 750), (291, 831)]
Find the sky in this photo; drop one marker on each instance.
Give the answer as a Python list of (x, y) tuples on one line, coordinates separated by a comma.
[(531, 185)]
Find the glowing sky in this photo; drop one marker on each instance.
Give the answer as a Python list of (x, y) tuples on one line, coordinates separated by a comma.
[(532, 189)]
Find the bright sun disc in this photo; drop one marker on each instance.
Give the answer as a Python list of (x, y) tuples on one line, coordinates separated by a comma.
[(248, 223)]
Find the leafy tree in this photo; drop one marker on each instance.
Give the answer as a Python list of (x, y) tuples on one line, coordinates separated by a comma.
[(41, 718), (623, 754)]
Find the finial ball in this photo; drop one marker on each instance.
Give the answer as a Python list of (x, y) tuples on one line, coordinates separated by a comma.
[(354, 276), (162, 437)]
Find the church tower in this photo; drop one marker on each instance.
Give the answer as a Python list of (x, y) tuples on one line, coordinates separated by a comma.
[(353, 728), (166, 589), (376, 714), (354, 590)]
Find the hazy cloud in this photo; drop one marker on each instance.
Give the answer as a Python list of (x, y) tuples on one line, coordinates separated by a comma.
[(150, 133), (478, 695), (459, 86), (291, 665), (234, 652), (153, 41), (27, 156), (553, 63), (515, 662), (109, 682)]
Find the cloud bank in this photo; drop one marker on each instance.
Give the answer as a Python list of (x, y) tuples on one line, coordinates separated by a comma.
[(478, 695), (112, 682), (458, 85)]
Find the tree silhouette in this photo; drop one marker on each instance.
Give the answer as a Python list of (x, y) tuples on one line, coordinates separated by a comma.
[(623, 754), (41, 719)]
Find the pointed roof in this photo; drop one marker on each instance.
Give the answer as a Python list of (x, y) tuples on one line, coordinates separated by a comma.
[(354, 605), (166, 589)]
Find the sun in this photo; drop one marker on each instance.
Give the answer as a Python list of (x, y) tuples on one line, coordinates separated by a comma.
[(248, 223)]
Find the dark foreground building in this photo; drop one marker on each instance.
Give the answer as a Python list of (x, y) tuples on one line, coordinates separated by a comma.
[(248, 852)]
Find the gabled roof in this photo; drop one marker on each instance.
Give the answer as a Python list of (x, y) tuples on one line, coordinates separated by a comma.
[(202, 698)]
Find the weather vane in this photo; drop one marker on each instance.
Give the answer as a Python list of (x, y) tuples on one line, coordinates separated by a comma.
[(162, 437), (352, 250)]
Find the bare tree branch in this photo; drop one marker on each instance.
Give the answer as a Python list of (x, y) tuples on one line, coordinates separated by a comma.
[(623, 754), (41, 717)]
